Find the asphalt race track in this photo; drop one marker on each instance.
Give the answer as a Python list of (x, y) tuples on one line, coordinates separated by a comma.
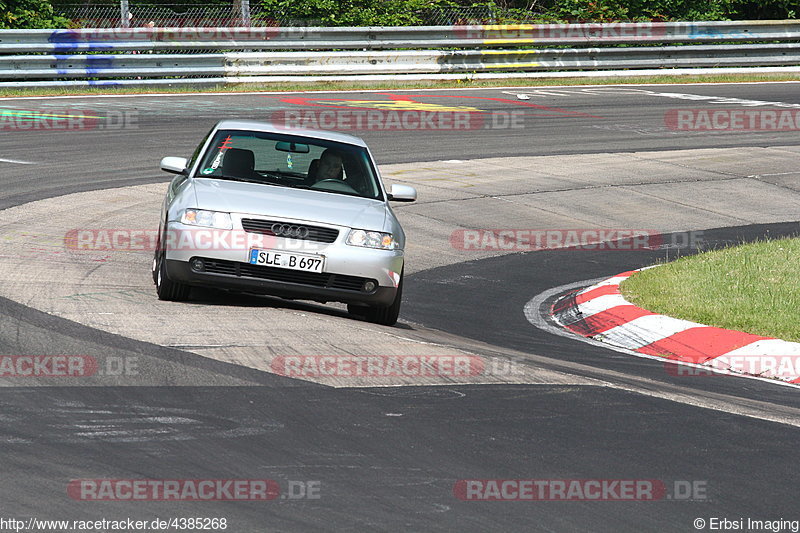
[(371, 454)]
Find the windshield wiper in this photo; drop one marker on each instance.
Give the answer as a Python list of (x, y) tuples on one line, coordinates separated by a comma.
[(234, 178)]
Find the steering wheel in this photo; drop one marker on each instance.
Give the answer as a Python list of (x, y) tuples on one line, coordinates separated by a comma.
[(337, 185)]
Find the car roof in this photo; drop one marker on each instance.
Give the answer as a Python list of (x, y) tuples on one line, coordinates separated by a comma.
[(268, 127)]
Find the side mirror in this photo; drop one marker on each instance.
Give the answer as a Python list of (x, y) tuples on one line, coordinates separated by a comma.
[(402, 193), (174, 165)]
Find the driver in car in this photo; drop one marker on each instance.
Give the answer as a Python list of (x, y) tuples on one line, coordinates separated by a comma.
[(330, 166)]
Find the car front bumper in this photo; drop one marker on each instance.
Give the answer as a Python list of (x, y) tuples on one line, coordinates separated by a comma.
[(347, 270)]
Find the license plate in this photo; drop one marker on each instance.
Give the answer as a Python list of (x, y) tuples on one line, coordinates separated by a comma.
[(280, 259)]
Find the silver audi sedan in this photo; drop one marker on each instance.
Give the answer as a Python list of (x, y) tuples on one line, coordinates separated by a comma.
[(294, 213)]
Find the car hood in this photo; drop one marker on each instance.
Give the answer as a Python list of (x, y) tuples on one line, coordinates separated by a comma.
[(285, 202)]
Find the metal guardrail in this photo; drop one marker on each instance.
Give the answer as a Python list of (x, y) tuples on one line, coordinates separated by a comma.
[(384, 38), (394, 62), (131, 55)]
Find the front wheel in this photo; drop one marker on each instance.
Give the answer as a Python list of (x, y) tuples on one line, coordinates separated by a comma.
[(167, 289), (386, 316)]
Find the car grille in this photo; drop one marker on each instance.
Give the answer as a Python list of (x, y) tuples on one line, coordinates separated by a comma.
[(315, 233), (312, 279)]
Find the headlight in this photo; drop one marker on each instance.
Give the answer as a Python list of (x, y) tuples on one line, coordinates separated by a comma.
[(371, 239), (208, 219)]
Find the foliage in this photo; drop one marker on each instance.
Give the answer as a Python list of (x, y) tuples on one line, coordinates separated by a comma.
[(29, 14), (354, 12), (404, 12), (42, 14)]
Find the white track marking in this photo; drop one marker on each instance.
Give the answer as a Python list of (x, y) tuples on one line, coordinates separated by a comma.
[(614, 91), (602, 303), (646, 330)]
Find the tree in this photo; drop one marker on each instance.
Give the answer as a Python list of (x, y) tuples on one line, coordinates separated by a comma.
[(29, 14)]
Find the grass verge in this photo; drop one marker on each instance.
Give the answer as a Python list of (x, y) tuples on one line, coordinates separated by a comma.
[(754, 288), (400, 84)]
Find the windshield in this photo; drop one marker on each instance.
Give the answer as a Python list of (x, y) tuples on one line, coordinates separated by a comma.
[(290, 161)]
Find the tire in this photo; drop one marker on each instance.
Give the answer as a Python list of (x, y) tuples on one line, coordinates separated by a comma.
[(357, 310), (169, 290), (386, 316), (157, 254)]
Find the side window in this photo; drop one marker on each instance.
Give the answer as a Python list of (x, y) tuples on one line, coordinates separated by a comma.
[(196, 153)]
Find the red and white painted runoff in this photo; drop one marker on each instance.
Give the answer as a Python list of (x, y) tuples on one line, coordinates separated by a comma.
[(600, 312)]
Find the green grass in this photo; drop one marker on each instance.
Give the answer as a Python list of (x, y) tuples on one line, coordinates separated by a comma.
[(361, 85), (754, 288)]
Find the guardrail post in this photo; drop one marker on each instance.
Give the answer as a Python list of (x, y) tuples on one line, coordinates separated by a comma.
[(241, 9), (124, 14)]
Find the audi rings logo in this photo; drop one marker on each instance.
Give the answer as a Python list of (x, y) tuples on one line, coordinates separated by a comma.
[(287, 230)]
